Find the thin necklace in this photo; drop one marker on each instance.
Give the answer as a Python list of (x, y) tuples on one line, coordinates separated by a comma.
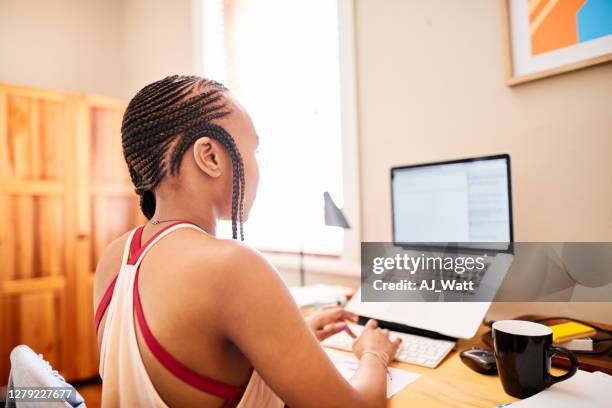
[(156, 221)]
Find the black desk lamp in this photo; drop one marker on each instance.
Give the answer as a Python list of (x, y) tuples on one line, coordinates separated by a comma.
[(334, 217)]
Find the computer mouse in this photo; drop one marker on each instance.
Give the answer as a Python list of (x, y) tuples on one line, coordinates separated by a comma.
[(479, 360)]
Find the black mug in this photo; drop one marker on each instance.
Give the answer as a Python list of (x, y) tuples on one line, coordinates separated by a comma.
[(523, 351)]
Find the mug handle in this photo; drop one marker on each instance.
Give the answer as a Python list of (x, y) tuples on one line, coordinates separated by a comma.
[(552, 350)]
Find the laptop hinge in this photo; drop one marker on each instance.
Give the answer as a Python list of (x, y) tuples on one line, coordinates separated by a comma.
[(398, 327)]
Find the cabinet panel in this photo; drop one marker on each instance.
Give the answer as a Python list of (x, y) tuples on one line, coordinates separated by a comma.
[(65, 193), (107, 163), (33, 194), (34, 247), (35, 319), (34, 143)]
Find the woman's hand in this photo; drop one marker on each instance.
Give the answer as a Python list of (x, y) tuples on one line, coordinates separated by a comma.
[(374, 339), (329, 321)]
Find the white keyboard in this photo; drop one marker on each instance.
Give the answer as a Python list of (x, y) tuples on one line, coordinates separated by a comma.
[(414, 349)]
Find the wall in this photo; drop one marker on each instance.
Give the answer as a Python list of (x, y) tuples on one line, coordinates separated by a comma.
[(158, 41), (110, 47), (69, 45), (431, 87)]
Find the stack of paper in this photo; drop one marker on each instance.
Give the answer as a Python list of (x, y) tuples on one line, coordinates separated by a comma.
[(319, 295), (583, 390)]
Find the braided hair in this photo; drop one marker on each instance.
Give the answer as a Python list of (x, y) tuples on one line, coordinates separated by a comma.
[(162, 121)]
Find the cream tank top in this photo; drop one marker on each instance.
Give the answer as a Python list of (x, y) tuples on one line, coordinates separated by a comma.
[(126, 382)]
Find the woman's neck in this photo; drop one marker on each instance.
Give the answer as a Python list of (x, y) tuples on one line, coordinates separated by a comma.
[(203, 216)]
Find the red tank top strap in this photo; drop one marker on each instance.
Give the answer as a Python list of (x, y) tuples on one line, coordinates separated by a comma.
[(103, 305), (228, 392), (135, 244), (132, 257), (136, 249)]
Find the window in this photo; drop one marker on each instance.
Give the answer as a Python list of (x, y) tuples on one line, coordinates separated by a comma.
[(280, 58)]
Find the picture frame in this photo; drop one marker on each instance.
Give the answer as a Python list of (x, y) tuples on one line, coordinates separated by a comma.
[(551, 37)]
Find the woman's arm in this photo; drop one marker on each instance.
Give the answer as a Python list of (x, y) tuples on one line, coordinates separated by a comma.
[(262, 320)]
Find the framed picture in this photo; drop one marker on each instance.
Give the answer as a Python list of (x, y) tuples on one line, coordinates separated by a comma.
[(550, 37)]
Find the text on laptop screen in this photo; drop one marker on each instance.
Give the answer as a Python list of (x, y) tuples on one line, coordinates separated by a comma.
[(455, 202)]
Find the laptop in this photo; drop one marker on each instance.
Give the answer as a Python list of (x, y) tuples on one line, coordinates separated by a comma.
[(467, 203)]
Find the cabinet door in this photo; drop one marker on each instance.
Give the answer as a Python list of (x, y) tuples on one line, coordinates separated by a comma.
[(65, 193), (107, 207), (35, 225)]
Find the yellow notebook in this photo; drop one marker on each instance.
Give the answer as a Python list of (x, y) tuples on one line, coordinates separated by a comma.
[(571, 330)]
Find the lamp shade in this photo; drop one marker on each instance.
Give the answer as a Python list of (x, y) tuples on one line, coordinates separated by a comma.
[(334, 217), (588, 263)]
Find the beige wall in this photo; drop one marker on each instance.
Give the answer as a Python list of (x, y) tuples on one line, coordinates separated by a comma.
[(431, 87), (110, 47), (158, 41), (70, 45)]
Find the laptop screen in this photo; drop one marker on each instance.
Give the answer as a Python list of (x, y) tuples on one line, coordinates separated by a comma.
[(460, 201)]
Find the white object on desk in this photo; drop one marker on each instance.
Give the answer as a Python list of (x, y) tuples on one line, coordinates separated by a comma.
[(577, 344), (319, 294), (347, 365), (418, 350), (583, 390)]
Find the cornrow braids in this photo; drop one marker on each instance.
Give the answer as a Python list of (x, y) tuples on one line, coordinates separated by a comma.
[(162, 121)]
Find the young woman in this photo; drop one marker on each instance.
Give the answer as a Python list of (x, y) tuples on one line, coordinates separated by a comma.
[(188, 319)]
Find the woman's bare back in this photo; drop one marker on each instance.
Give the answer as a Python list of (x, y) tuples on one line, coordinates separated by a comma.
[(182, 312)]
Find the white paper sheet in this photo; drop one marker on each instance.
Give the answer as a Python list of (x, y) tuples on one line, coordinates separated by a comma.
[(583, 390), (347, 365), (316, 295)]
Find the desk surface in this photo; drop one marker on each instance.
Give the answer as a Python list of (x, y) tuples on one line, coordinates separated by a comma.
[(453, 384)]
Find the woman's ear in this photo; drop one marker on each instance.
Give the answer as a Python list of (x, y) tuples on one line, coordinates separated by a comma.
[(207, 156)]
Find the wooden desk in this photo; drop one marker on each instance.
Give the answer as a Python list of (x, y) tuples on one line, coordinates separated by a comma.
[(453, 384)]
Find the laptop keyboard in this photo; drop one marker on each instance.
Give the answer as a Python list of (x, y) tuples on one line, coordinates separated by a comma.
[(418, 350)]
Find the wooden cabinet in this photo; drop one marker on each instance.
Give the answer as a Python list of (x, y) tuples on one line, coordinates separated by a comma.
[(65, 193)]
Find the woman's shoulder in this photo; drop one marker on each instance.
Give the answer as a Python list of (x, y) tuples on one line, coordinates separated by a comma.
[(232, 258), (109, 262), (232, 271), (206, 269)]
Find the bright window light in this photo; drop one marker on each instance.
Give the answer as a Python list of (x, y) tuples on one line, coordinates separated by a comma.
[(280, 59)]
